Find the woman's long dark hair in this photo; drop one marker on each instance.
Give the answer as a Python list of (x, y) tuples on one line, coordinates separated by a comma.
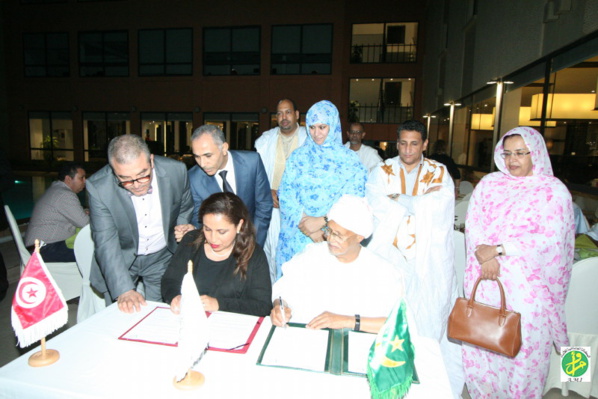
[(233, 208)]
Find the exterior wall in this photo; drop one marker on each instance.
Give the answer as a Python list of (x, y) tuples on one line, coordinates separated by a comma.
[(4, 135), (185, 94), (508, 36)]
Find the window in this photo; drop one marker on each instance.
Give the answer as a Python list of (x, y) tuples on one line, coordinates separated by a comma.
[(101, 127), (301, 49), (566, 114), (165, 52), (51, 136), (241, 129), (231, 51), (384, 43), (103, 54), (167, 132), (46, 54), (42, 1), (382, 100)]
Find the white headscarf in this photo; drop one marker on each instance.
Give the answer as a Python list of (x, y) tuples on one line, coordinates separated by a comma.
[(354, 214)]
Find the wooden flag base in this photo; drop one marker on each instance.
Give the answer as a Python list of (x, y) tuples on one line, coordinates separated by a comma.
[(45, 357), (39, 359), (193, 380)]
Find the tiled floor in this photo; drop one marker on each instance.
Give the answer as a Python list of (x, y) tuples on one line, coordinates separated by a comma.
[(8, 343)]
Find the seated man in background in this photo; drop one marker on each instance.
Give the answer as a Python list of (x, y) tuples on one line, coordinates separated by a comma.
[(57, 215), (339, 283)]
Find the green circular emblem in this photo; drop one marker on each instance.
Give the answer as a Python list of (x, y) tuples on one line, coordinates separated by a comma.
[(575, 363)]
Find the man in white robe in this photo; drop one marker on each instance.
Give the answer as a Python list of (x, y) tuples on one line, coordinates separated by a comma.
[(339, 283), (413, 201), (275, 146), (367, 155)]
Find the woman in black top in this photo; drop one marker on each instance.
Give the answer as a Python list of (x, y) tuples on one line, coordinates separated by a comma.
[(230, 270)]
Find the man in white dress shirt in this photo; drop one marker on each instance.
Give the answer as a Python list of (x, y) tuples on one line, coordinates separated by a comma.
[(275, 146), (367, 155), (219, 169)]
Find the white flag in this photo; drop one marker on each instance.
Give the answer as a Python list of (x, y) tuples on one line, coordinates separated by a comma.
[(193, 337)]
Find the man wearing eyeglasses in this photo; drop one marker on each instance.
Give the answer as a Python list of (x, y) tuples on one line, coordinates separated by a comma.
[(367, 155), (338, 283), (137, 202)]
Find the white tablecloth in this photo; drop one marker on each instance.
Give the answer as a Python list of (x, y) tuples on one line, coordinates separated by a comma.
[(94, 363)]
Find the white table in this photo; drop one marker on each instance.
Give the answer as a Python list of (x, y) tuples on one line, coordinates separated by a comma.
[(94, 363)]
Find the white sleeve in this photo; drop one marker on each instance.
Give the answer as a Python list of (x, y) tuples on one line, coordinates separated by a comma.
[(511, 249)]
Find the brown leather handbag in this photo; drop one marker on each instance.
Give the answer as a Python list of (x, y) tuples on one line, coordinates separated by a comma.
[(494, 329)]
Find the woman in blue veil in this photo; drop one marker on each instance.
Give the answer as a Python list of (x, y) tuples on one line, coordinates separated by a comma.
[(317, 174)]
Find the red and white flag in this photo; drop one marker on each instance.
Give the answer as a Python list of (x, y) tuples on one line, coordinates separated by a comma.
[(38, 307)]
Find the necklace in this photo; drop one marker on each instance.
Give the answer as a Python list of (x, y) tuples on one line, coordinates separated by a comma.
[(216, 253)]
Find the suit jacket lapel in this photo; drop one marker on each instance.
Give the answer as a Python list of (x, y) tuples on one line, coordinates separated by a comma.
[(126, 204), (165, 195), (211, 185), (240, 170)]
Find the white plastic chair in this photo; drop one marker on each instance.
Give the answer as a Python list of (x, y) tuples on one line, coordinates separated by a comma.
[(581, 311), (91, 301), (460, 260), (66, 274), (465, 187), (460, 212)]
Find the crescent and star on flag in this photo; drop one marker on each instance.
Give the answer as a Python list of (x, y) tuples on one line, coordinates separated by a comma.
[(397, 344)]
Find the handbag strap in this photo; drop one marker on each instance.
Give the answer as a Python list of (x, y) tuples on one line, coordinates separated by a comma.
[(503, 302)]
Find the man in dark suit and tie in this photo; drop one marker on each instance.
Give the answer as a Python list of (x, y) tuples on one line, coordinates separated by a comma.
[(137, 202), (240, 172)]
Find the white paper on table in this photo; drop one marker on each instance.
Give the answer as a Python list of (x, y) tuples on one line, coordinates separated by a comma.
[(359, 350), (230, 330), (160, 326), (297, 347)]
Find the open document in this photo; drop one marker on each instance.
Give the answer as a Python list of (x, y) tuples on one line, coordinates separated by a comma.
[(230, 332), (332, 351)]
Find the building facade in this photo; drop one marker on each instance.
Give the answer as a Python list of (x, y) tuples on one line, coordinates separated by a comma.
[(494, 65), (79, 72)]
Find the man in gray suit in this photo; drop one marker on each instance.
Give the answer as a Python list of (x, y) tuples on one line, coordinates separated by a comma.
[(136, 203)]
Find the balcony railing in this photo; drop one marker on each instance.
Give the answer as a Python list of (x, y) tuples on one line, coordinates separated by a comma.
[(383, 53), (380, 113)]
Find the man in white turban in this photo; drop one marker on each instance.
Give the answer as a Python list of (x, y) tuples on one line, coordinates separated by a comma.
[(338, 283)]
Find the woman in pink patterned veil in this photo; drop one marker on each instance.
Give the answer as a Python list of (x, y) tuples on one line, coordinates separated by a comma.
[(520, 228)]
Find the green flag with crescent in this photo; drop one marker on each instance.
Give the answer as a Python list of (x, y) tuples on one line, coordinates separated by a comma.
[(390, 363)]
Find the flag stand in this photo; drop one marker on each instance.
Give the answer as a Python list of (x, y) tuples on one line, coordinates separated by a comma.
[(45, 357), (193, 379)]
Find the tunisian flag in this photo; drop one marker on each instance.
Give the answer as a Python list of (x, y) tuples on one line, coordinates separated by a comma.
[(38, 307)]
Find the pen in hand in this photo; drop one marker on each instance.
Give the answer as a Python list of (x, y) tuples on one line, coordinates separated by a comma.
[(281, 303)]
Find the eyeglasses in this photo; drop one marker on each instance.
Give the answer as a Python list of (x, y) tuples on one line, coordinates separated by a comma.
[(516, 155), (140, 180), (329, 233)]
